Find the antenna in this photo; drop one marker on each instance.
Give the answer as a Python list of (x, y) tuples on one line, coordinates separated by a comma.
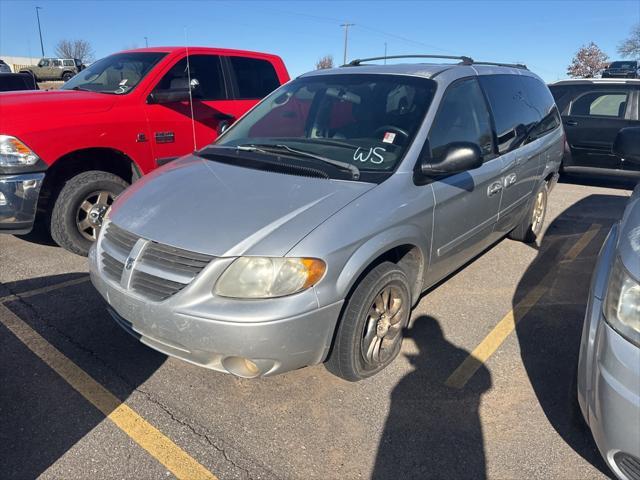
[(193, 122)]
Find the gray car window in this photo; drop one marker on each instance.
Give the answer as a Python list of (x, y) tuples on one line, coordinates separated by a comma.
[(463, 117)]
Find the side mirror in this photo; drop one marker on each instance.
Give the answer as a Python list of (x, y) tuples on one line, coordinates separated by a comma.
[(627, 144), (178, 92), (459, 157)]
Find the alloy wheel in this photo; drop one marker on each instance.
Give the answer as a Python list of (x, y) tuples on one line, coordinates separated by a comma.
[(383, 327), (91, 213)]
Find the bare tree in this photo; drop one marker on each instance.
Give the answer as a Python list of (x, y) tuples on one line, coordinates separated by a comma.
[(588, 62), (631, 46), (80, 49), (325, 62)]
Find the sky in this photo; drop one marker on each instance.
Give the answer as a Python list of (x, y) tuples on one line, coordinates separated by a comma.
[(543, 34)]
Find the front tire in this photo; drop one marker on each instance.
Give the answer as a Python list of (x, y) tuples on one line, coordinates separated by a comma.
[(370, 333), (76, 216), (530, 227), (67, 76)]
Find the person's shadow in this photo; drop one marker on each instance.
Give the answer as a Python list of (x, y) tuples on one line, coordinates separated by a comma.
[(433, 431)]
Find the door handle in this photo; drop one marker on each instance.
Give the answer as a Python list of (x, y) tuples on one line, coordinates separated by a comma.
[(571, 123), (494, 188), (223, 116), (509, 180)]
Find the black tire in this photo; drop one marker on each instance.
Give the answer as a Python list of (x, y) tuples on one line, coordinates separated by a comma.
[(530, 227), (66, 76), (66, 208), (35, 78), (348, 356)]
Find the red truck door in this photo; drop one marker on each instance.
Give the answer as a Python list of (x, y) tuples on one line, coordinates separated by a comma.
[(172, 132)]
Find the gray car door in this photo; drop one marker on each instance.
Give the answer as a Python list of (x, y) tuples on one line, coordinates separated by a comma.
[(516, 112), (466, 203)]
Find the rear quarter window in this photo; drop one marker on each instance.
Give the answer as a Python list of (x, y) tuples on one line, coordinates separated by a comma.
[(513, 111), (255, 78)]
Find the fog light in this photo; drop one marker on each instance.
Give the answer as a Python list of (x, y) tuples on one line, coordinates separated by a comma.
[(241, 367)]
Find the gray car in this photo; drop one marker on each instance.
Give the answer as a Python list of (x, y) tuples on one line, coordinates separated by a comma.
[(310, 229), (609, 365)]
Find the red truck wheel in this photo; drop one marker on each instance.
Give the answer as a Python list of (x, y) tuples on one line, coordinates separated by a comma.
[(78, 210)]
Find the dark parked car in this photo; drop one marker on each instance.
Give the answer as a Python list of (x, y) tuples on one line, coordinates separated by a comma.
[(623, 69), (10, 82), (593, 112)]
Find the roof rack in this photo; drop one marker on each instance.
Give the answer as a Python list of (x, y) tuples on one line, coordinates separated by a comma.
[(464, 60)]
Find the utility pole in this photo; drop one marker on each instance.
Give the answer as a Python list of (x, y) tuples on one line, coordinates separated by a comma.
[(346, 39), (385, 53), (39, 29), (146, 42)]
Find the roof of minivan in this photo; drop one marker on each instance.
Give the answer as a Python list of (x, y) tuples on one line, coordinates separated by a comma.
[(427, 70)]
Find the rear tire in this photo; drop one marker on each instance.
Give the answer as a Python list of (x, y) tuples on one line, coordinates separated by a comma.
[(370, 333), (530, 227), (78, 210)]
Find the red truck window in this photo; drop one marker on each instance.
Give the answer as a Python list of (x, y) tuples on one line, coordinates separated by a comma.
[(204, 68), (255, 78)]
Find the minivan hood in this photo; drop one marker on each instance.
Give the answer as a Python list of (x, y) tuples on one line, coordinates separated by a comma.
[(226, 210)]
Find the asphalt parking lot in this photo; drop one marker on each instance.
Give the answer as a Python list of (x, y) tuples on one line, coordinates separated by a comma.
[(482, 387)]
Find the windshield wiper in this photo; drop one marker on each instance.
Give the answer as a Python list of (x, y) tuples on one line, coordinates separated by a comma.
[(274, 148)]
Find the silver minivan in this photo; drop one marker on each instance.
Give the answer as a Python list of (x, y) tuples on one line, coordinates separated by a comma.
[(310, 228)]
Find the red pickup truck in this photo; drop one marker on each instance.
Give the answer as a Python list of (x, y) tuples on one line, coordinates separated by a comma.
[(67, 154)]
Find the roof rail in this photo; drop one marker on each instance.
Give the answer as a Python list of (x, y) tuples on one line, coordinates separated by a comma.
[(500, 64), (464, 60)]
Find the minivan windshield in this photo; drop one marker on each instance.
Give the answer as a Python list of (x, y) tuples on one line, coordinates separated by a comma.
[(116, 74), (364, 120)]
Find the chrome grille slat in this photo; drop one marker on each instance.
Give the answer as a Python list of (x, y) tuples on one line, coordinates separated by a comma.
[(112, 267), (160, 270), (154, 287)]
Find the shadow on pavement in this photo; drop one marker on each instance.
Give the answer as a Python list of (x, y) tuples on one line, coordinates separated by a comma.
[(549, 333), (433, 431), (41, 416)]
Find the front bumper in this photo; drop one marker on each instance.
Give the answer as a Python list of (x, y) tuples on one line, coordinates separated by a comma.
[(18, 201), (199, 328), (609, 377)]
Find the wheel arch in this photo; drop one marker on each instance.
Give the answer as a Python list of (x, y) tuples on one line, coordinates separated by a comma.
[(73, 163), (400, 246)]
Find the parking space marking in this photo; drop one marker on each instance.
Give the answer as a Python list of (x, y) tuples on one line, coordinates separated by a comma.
[(47, 289), (495, 338), (176, 460)]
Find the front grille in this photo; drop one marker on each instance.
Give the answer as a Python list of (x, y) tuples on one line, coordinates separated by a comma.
[(628, 464), (154, 288), (112, 267), (160, 271)]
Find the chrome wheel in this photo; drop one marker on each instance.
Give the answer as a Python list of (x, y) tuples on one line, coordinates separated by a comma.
[(91, 212), (538, 213), (383, 327)]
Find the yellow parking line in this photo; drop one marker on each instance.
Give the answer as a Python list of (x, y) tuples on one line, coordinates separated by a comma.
[(503, 329), (47, 289), (179, 462)]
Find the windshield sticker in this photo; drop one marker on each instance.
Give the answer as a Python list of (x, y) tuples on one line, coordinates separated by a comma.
[(123, 82), (364, 155), (389, 137)]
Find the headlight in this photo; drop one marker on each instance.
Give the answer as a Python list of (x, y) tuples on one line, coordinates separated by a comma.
[(622, 304), (257, 277), (15, 153)]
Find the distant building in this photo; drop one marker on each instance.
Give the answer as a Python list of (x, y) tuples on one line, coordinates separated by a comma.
[(16, 63)]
